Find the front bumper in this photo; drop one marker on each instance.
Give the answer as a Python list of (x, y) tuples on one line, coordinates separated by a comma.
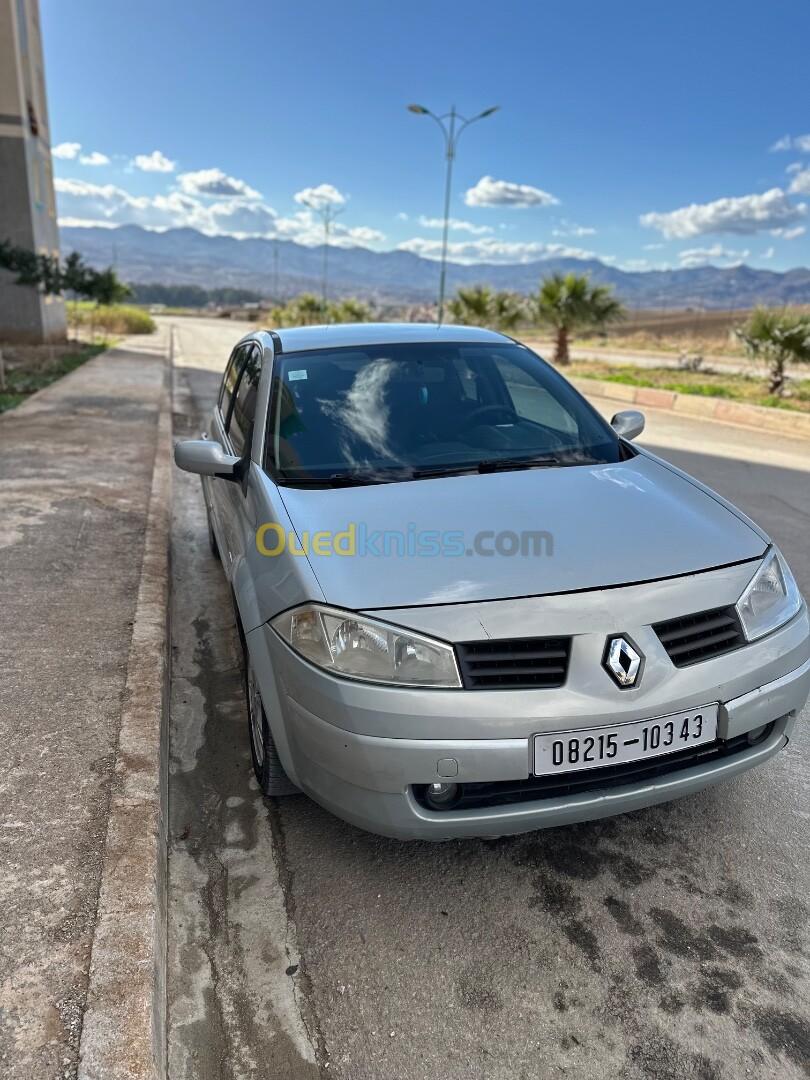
[(335, 737)]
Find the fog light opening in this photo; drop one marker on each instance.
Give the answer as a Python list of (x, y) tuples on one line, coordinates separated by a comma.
[(442, 796), (757, 734)]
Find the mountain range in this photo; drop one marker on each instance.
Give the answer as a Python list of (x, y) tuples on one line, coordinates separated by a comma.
[(190, 257)]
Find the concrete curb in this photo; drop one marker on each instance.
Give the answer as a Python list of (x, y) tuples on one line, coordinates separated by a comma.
[(779, 421), (124, 1029)]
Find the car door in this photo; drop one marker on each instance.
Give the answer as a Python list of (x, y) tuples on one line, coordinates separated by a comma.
[(214, 490), (237, 512)]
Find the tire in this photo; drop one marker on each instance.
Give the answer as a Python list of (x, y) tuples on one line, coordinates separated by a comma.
[(267, 766)]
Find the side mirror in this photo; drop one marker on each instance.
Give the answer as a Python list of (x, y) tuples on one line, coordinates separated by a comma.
[(628, 424), (207, 458)]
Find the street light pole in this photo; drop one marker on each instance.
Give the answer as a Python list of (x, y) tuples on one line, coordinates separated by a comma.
[(447, 123), (451, 153)]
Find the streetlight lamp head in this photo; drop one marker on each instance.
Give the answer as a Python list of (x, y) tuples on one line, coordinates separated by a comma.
[(420, 110), (488, 112)]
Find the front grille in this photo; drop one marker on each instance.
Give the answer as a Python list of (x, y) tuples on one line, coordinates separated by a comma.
[(514, 663), (505, 792), (693, 638)]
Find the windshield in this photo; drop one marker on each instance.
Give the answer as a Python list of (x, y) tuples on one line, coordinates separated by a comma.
[(392, 412)]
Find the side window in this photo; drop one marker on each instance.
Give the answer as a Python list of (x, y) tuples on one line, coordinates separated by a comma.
[(532, 402), (244, 403), (229, 383)]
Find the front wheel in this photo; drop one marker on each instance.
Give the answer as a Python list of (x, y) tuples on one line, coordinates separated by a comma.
[(267, 766)]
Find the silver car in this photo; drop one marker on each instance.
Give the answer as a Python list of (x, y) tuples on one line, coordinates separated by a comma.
[(471, 607)]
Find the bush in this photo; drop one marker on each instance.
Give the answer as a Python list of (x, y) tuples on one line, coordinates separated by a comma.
[(112, 319), (307, 309)]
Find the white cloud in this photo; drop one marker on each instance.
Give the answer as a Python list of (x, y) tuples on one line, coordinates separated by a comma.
[(306, 228), (361, 234), (94, 158), (67, 151), (83, 203), (402, 216), (768, 253), (106, 201), (455, 225), (317, 198), (568, 228), (106, 204), (793, 142), (790, 234), (215, 184), (702, 256), (741, 215), (491, 250), (800, 184), (86, 223), (154, 162), (794, 167), (491, 192), (653, 247)]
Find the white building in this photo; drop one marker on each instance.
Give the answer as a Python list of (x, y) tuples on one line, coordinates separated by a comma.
[(27, 202)]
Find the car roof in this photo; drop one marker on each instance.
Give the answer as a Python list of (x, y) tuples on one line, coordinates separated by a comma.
[(298, 338)]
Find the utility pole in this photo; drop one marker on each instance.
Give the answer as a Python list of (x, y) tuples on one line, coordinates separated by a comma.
[(328, 212), (447, 122)]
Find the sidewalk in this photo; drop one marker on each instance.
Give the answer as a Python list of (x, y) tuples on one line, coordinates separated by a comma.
[(78, 464)]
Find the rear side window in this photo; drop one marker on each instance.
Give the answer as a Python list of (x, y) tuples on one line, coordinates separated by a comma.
[(244, 402), (229, 383)]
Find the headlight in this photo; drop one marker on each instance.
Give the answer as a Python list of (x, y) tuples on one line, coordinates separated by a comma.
[(771, 598), (361, 648)]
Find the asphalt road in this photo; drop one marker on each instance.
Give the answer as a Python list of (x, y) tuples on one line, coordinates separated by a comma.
[(666, 943)]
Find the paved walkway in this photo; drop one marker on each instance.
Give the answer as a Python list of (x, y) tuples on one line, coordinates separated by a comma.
[(76, 464)]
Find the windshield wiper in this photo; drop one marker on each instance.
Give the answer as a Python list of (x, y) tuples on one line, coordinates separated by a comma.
[(424, 472), (336, 480), (489, 465), (499, 464), (571, 457)]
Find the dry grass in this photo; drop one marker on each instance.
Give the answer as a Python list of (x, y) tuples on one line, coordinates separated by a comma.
[(708, 332), (112, 319)]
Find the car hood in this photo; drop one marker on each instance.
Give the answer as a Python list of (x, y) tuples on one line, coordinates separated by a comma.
[(598, 526)]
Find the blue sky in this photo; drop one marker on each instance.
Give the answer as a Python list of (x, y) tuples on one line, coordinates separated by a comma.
[(641, 133)]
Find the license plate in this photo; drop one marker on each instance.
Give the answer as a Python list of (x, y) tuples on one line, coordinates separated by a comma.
[(593, 748)]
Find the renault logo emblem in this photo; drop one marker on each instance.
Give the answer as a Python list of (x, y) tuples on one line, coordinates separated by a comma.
[(623, 661)]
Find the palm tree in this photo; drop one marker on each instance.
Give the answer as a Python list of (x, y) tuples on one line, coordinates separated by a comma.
[(776, 337), (472, 306), (508, 310), (478, 305), (569, 303)]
